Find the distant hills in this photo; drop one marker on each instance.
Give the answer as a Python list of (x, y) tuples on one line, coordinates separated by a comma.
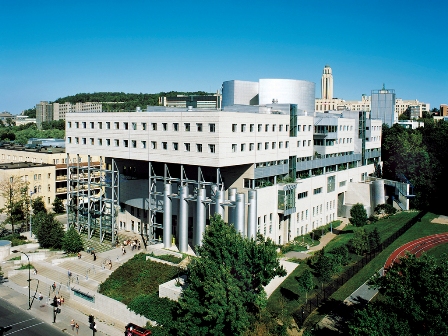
[(119, 101)]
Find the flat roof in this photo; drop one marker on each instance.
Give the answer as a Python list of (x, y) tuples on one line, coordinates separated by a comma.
[(48, 150), (19, 165)]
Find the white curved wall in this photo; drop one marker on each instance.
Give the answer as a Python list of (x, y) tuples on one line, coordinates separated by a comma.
[(287, 91)]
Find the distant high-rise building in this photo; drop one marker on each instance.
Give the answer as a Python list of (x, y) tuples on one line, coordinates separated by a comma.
[(44, 112), (383, 106), (327, 83), (444, 110)]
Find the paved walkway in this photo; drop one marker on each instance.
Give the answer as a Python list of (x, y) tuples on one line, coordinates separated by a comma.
[(363, 294)]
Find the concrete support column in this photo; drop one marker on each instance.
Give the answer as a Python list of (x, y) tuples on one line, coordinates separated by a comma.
[(167, 215), (183, 219), (232, 211), (252, 215), (201, 212), (219, 200), (240, 213)]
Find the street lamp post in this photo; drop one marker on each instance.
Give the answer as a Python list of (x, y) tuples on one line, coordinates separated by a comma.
[(31, 210), (29, 277)]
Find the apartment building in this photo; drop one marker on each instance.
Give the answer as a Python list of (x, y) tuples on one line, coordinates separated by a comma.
[(54, 159), (272, 168)]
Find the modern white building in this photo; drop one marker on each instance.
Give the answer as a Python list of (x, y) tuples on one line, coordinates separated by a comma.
[(274, 169), (61, 109)]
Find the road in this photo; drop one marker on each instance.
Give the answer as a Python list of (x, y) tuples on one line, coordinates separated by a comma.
[(22, 323)]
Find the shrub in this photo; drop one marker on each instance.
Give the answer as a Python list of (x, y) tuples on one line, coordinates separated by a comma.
[(72, 242), (167, 257), (358, 215), (154, 308)]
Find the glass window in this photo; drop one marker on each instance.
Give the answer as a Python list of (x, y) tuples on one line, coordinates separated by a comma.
[(266, 128), (116, 125), (134, 126), (251, 146), (212, 128), (234, 127), (143, 143), (154, 126), (126, 143), (187, 147), (144, 126), (134, 143), (266, 145), (199, 127), (251, 127), (92, 124), (117, 142), (100, 141), (243, 147), (175, 146), (212, 148), (153, 145), (164, 145), (260, 127), (164, 126), (126, 125), (107, 142), (199, 148), (176, 127), (243, 127), (83, 124), (187, 127), (233, 148)]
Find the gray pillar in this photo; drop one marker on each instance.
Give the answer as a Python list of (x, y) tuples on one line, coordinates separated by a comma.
[(201, 211), (219, 199), (167, 216), (231, 211), (240, 213), (183, 219), (252, 215)]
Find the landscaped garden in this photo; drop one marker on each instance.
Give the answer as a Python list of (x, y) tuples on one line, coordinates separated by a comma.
[(136, 284), (291, 295)]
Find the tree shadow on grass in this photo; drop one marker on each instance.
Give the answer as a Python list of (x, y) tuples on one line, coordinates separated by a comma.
[(288, 294)]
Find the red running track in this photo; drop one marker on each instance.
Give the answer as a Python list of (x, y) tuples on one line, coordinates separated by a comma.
[(416, 247)]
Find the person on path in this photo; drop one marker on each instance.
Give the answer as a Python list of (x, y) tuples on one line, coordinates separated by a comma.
[(53, 286), (94, 256), (77, 328), (72, 324), (40, 297), (79, 255)]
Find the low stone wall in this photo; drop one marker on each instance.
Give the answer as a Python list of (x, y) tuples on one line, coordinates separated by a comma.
[(161, 251), (170, 289), (61, 260), (107, 306)]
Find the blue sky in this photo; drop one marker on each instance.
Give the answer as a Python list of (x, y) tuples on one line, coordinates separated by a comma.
[(50, 49)]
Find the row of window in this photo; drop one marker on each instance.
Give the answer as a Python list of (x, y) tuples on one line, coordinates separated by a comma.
[(154, 145), (143, 126), (267, 145), (267, 127)]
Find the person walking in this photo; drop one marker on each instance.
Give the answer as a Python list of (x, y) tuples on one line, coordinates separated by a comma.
[(53, 286), (72, 324), (77, 328), (94, 256)]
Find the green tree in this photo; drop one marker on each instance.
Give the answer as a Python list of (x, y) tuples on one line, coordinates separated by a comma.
[(413, 300), (325, 265), (14, 190), (360, 242), (48, 230), (58, 206), (225, 285), (72, 242), (358, 215), (306, 282), (38, 205), (374, 239)]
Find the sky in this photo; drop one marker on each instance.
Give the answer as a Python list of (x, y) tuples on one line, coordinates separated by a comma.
[(51, 49)]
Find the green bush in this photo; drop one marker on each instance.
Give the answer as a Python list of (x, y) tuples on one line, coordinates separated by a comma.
[(135, 277), (72, 242), (154, 308)]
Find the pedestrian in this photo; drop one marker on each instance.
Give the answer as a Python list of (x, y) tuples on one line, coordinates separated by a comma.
[(69, 273), (35, 271), (138, 245), (40, 296), (58, 301), (79, 255), (77, 279), (110, 264), (94, 256), (72, 324), (77, 328), (53, 286), (62, 299)]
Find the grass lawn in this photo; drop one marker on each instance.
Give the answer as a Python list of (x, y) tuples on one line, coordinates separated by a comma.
[(137, 276), (420, 229), (287, 296)]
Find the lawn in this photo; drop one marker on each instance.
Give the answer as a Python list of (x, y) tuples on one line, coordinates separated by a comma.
[(137, 276), (420, 229), (287, 296)]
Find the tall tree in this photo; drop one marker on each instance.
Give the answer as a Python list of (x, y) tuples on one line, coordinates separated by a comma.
[(225, 285), (48, 230), (14, 191)]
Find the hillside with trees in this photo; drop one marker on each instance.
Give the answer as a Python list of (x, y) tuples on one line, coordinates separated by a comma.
[(418, 156)]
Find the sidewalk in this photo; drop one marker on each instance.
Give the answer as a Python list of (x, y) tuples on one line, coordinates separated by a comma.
[(18, 296)]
